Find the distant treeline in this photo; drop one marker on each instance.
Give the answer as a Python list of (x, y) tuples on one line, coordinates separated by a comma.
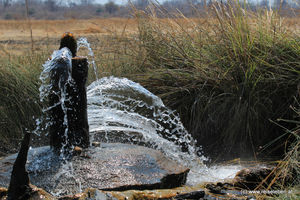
[(85, 9)]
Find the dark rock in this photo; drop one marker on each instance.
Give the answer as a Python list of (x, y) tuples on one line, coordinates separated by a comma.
[(111, 167), (3, 192), (251, 178), (191, 195), (215, 188), (19, 187)]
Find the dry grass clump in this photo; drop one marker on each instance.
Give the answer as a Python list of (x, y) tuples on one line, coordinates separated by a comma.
[(286, 175), (19, 104), (227, 75), (288, 170)]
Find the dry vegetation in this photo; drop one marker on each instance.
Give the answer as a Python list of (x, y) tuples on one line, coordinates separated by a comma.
[(15, 34)]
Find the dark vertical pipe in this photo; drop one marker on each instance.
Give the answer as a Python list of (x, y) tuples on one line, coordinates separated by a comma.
[(76, 101), (59, 75), (78, 134)]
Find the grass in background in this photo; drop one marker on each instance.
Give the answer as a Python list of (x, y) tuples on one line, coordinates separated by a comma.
[(227, 75), (19, 97)]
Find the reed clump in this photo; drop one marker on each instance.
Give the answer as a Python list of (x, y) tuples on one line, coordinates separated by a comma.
[(228, 75), (19, 97)]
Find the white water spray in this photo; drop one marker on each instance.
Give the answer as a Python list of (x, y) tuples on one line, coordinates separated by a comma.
[(119, 108), (60, 65), (82, 42)]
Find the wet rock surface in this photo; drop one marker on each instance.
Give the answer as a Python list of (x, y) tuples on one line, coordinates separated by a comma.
[(210, 191), (254, 178), (120, 137), (115, 167), (35, 194), (3, 192), (191, 195)]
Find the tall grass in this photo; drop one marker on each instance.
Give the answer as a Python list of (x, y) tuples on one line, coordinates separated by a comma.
[(19, 97), (287, 172), (286, 175), (227, 75)]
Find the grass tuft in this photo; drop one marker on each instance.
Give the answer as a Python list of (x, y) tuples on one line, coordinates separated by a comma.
[(19, 104), (227, 75)]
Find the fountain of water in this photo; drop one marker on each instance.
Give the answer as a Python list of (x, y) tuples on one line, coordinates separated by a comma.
[(119, 110), (82, 42)]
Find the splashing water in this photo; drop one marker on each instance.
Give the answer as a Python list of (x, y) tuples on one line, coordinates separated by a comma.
[(60, 56), (121, 105), (58, 67), (55, 78), (120, 108), (82, 42)]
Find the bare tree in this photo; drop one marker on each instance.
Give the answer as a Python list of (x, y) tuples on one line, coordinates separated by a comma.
[(86, 2), (51, 5), (111, 7), (5, 3), (141, 4)]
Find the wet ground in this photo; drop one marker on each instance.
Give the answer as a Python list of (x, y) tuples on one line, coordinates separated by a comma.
[(109, 167)]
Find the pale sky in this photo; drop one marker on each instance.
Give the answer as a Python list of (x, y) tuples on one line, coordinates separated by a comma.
[(125, 1), (117, 1)]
